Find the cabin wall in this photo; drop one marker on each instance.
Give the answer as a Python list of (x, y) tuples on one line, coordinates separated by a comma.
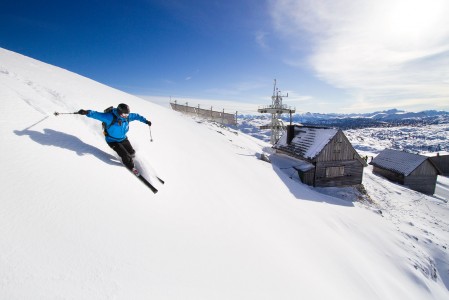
[(393, 176), (338, 149), (425, 169), (423, 179), (422, 183), (341, 173), (307, 177), (442, 162)]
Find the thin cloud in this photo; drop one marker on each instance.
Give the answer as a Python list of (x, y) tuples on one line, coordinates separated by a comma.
[(379, 51), (261, 39)]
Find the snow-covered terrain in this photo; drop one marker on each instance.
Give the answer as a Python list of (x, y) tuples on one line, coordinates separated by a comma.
[(426, 133), (419, 139), (75, 224)]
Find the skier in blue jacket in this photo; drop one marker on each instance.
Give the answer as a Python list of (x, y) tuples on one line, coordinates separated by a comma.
[(116, 127)]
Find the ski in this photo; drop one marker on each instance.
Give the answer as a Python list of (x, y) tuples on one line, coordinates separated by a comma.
[(147, 183), (144, 180), (154, 174), (160, 180)]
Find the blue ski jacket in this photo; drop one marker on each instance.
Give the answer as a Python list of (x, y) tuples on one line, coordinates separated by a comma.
[(117, 131)]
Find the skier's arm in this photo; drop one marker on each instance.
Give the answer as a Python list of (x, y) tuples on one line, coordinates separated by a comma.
[(134, 117), (103, 117)]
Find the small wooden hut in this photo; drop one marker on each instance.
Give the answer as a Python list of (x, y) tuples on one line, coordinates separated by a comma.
[(414, 171), (326, 156)]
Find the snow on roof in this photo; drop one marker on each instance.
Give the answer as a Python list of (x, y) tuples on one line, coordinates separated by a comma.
[(307, 141), (398, 161)]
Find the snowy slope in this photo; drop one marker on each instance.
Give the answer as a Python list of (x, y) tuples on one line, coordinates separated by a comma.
[(75, 224)]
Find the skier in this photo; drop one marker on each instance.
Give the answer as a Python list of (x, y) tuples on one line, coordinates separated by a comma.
[(116, 126)]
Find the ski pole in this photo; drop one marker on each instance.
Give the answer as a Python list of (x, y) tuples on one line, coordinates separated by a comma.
[(151, 136), (58, 113)]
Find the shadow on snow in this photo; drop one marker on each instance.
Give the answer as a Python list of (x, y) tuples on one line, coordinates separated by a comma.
[(66, 141)]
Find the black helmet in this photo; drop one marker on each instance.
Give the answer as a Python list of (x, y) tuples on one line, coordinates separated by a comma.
[(122, 108)]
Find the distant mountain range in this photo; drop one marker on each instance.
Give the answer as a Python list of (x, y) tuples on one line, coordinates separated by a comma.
[(390, 118), (393, 117)]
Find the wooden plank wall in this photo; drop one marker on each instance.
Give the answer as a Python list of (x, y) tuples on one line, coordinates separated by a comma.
[(306, 177), (426, 168), (421, 183), (338, 149), (353, 173), (393, 176), (423, 179)]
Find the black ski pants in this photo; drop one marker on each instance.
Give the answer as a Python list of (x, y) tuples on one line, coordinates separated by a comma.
[(126, 152)]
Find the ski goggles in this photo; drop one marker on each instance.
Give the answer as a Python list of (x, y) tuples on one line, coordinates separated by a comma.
[(124, 115)]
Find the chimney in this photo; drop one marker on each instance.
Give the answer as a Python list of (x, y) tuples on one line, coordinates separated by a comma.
[(290, 133)]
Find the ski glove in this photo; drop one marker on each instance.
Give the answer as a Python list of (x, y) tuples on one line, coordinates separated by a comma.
[(82, 112), (149, 123)]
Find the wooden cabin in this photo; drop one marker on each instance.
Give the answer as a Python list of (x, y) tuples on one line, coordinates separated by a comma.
[(414, 171), (325, 156)]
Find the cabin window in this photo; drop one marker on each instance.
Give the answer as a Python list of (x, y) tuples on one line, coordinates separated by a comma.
[(335, 171)]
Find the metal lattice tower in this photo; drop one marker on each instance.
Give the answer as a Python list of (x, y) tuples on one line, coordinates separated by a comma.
[(276, 109)]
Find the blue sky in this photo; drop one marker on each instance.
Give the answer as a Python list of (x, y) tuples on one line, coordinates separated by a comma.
[(328, 55)]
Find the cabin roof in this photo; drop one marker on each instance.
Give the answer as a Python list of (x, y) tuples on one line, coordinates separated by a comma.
[(307, 141), (398, 161)]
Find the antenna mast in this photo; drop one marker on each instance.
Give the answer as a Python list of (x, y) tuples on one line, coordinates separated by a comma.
[(276, 109)]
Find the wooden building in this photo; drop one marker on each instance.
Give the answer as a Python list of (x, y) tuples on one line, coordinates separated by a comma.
[(414, 171), (325, 156)]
